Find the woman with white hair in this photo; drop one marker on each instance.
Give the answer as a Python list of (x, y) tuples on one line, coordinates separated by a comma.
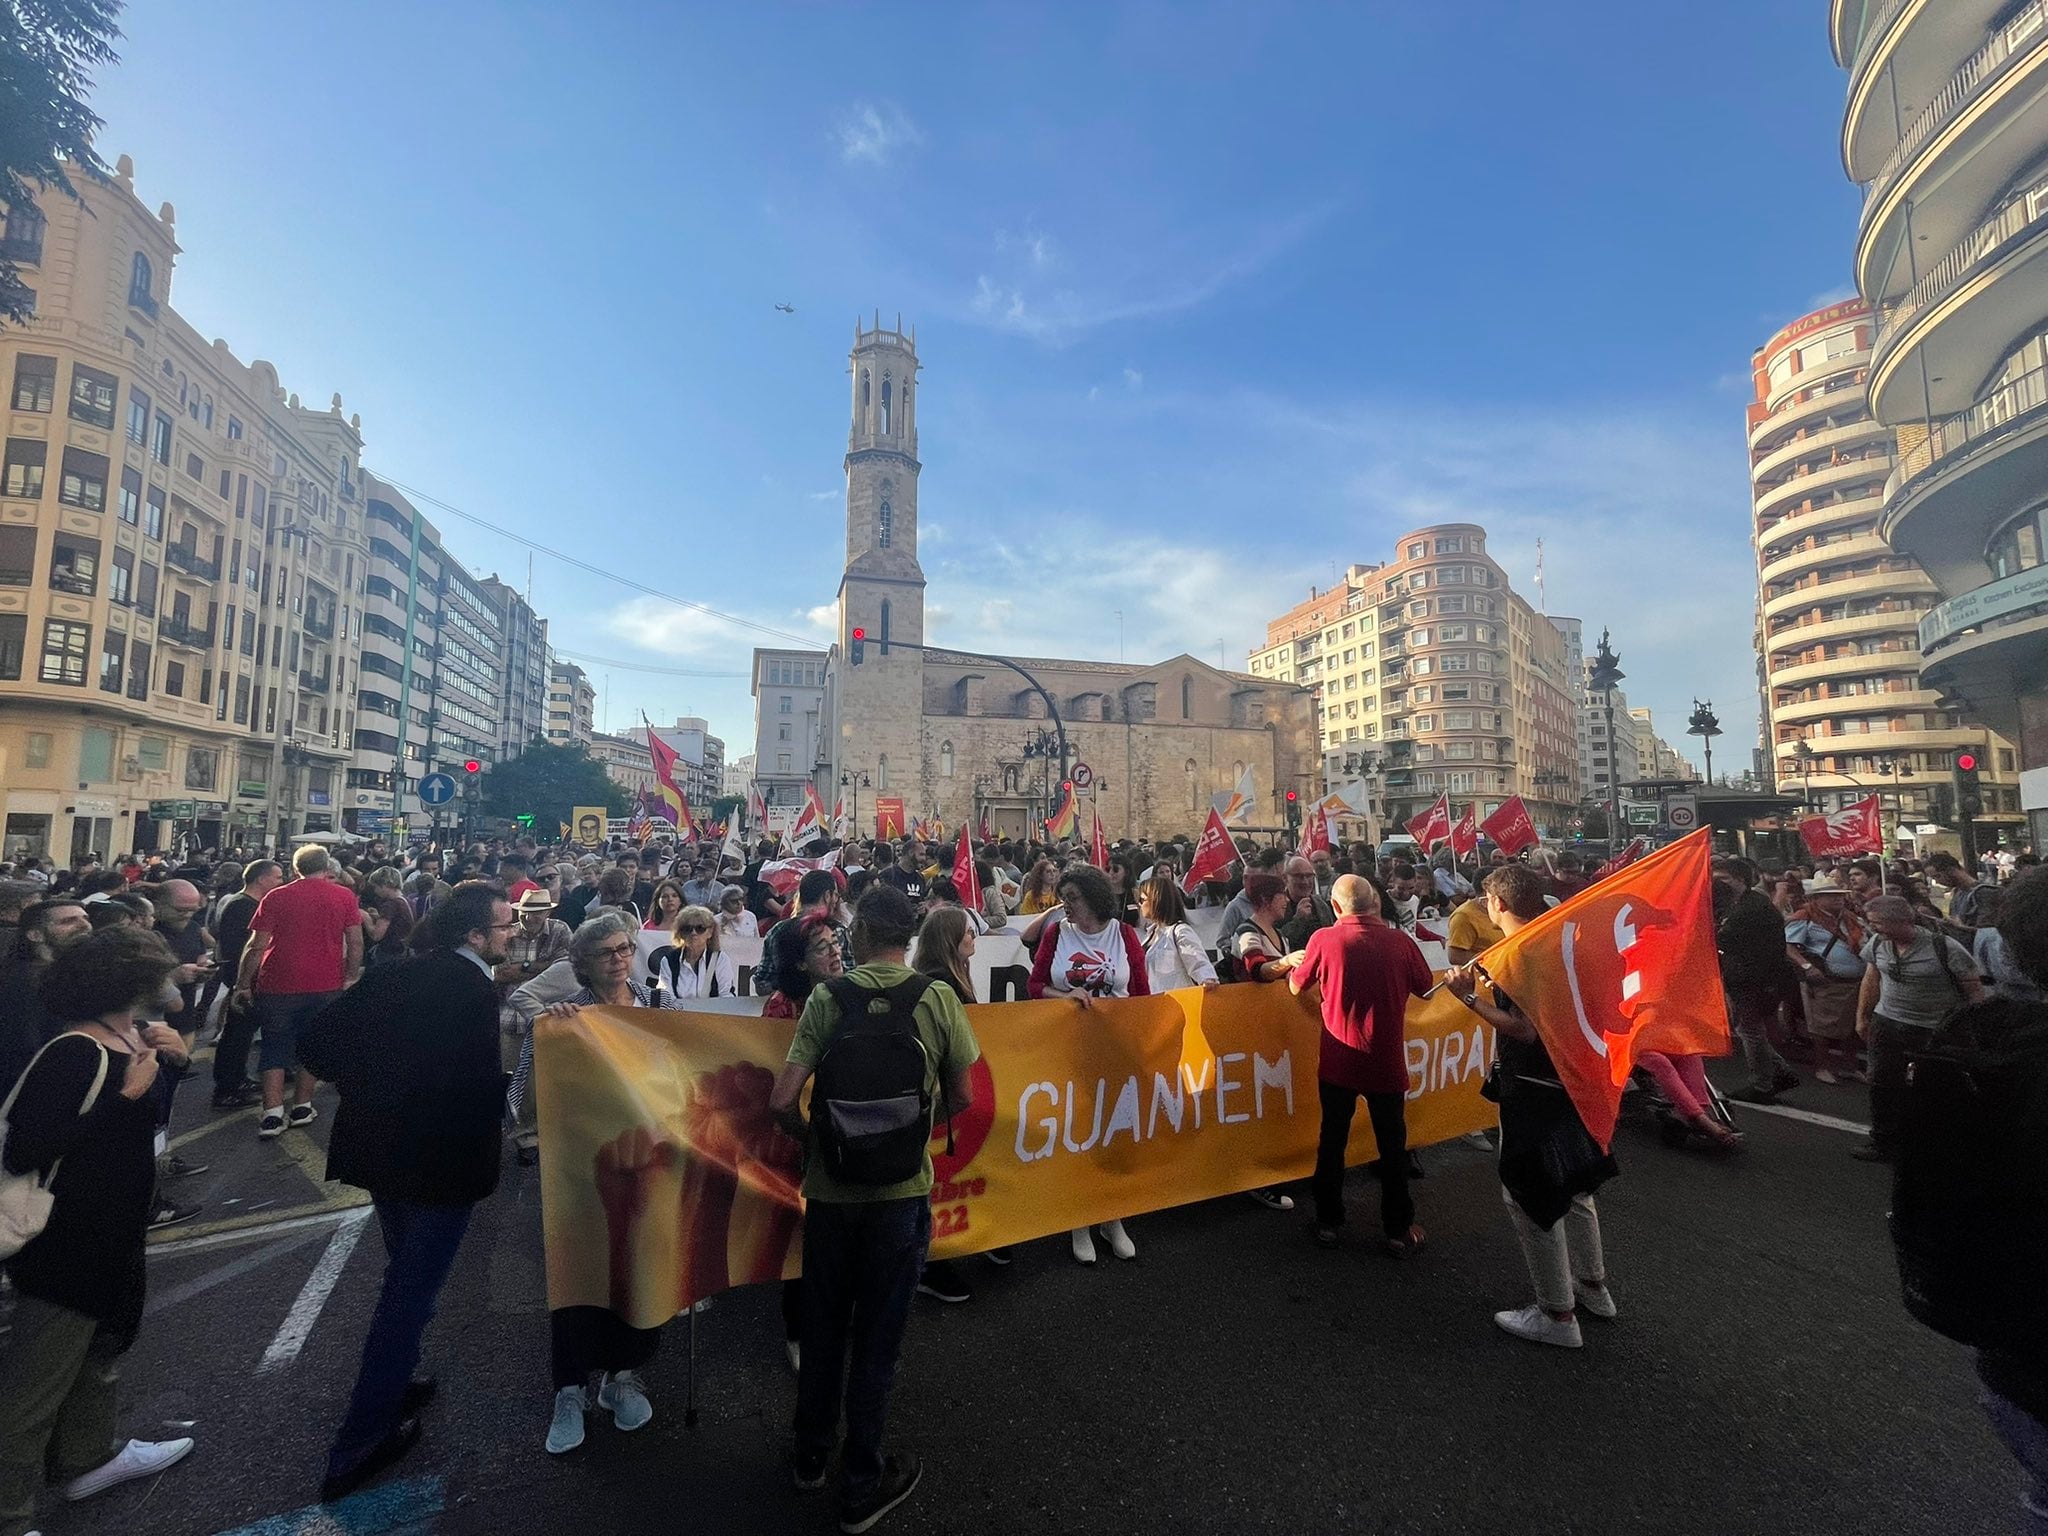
[(693, 966)]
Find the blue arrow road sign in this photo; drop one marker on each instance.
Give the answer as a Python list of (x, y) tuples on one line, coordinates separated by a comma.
[(437, 789)]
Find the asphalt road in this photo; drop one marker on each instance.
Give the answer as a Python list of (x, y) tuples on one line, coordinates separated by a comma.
[(1761, 1378)]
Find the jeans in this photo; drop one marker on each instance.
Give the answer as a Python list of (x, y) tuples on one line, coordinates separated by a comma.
[(421, 1242), (2027, 1438), (56, 1404), (1890, 1042), (1751, 1015), (282, 1016), (861, 1263), (1389, 1130), (1570, 1248)]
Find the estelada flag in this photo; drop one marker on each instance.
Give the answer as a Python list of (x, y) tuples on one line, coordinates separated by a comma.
[(1855, 828), (1098, 843), (1066, 820), (1626, 966), (1315, 837), (966, 878), (1214, 854), (1433, 826), (1511, 827), (1465, 835)]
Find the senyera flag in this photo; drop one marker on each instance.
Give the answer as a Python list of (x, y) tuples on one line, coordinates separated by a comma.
[(966, 877), (1433, 826), (1465, 834), (1214, 854), (1626, 966), (1511, 827), (1855, 828)]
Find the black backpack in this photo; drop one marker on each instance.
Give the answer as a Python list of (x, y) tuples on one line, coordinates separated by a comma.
[(1969, 1218), (870, 1109)]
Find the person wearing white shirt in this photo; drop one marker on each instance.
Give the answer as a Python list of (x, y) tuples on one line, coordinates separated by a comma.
[(693, 966), (734, 920), (1174, 956)]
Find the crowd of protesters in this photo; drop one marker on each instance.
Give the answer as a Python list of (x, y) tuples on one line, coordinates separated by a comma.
[(325, 965)]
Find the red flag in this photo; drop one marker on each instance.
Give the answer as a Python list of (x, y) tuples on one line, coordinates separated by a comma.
[(1315, 837), (1098, 844), (669, 802), (985, 834), (966, 878), (1433, 826), (1510, 827), (1855, 828), (1624, 967), (1214, 854), (1637, 847), (1465, 835)]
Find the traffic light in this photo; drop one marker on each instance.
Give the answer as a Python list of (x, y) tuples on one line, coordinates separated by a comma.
[(859, 646), (1293, 809), (472, 766), (525, 820), (1969, 793)]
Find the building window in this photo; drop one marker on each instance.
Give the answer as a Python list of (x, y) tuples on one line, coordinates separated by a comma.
[(885, 626), (201, 767), (174, 679), (13, 645), (17, 555), (1187, 698), (96, 755), (65, 647), (128, 504), (195, 468), (84, 482), (882, 771), (25, 458), (35, 383), (138, 670), (886, 403), (37, 750), (234, 429), (74, 565), (883, 522), (153, 513), (138, 418), (945, 759), (141, 278), (782, 762), (113, 652), (92, 397), (160, 439), (783, 705)]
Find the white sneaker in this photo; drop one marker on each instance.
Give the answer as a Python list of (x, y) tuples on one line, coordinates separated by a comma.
[(1599, 1302), (1084, 1246), (622, 1395), (1539, 1327), (1120, 1243), (566, 1432), (795, 1350), (138, 1458)]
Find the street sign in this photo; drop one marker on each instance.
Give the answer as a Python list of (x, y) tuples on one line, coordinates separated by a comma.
[(1682, 811), (437, 789), (1640, 813), (1578, 823), (171, 810), (1083, 775)]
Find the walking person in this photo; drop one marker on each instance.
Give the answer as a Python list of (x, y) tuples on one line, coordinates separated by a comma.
[(1824, 940), (1364, 971), (1755, 975), (414, 1051), (233, 1088), (1915, 978), (1550, 1165), (83, 1118), (865, 1241)]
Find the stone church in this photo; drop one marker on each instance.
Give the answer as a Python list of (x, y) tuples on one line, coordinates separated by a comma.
[(963, 737)]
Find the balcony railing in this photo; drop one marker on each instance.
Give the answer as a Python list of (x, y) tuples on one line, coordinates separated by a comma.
[(2021, 219), (2016, 405), (179, 632), (323, 628), (178, 556), (2024, 32), (77, 583), (1874, 27), (312, 684)]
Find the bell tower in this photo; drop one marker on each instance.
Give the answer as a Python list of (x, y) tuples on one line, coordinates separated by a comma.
[(880, 703)]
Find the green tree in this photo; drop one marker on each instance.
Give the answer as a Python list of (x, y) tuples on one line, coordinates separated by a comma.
[(545, 780), (722, 808), (48, 50)]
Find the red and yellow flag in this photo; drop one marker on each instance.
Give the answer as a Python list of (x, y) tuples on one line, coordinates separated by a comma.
[(1626, 966)]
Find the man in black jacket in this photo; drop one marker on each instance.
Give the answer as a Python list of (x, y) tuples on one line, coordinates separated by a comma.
[(413, 1047), (1755, 974)]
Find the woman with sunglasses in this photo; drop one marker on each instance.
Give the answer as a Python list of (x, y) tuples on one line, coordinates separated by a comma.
[(587, 1341), (734, 920), (665, 906), (693, 966)]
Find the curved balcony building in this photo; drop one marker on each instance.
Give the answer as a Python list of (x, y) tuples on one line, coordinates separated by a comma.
[(1947, 130), (1840, 609)]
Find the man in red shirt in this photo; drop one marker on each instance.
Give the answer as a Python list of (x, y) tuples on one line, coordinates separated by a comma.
[(515, 873), (305, 947), (1366, 970)]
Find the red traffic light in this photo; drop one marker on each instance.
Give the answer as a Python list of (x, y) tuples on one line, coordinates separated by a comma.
[(1290, 797), (472, 766), (860, 634), (1967, 761)]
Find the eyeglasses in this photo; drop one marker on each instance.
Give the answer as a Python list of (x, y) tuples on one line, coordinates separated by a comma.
[(501, 927), (689, 928), (615, 951)]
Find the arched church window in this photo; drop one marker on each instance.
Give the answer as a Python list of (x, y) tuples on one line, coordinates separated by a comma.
[(862, 424), (885, 626), (141, 279), (1187, 698), (945, 759), (885, 405), (884, 523)]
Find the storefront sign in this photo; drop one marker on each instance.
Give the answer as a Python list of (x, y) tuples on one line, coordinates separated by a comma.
[(1996, 601), (252, 789), (171, 810)]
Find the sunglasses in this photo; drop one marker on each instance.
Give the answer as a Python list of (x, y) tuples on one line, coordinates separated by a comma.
[(693, 928)]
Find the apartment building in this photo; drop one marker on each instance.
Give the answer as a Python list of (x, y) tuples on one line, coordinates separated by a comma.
[(627, 761), (572, 704)]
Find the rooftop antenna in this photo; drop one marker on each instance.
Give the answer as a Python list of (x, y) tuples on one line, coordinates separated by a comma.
[(1542, 604)]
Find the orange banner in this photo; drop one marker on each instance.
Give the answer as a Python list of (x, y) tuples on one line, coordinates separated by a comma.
[(664, 1179)]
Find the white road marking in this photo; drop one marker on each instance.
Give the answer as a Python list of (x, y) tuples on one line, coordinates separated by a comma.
[(305, 1312), (202, 1241), (1811, 1117)]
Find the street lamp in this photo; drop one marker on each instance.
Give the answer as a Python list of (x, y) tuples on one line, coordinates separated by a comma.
[(854, 782), (1706, 726), (1604, 676), (1048, 748), (1802, 752)]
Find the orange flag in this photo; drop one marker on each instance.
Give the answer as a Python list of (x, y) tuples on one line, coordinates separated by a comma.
[(1626, 966)]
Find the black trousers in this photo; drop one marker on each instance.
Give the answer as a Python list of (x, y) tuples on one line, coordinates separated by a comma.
[(231, 1051), (1390, 1130), (1891, 1048)]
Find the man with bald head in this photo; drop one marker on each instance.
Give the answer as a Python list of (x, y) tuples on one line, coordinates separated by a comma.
[(1364, 972)]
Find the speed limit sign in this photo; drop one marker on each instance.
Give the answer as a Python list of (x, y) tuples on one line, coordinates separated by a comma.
[(1682, 812), (1083, 775)]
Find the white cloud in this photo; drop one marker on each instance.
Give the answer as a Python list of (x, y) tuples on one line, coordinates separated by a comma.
[(1133, 380), (824, 617), (831, 494), (872, 133), (654, 625)]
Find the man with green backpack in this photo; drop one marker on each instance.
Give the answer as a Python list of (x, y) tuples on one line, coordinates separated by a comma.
[(883, 1045)]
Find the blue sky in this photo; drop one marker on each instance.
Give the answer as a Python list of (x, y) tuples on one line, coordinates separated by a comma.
[(1211, 298)]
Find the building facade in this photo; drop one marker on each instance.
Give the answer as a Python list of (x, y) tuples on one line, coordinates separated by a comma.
[(181, 553), (1848, 708), (627, 762), (789, 724), (739, 776), (1945, 133), (700, 757), (523, 715), (1609, 759), (572, 704), (964, 737)]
